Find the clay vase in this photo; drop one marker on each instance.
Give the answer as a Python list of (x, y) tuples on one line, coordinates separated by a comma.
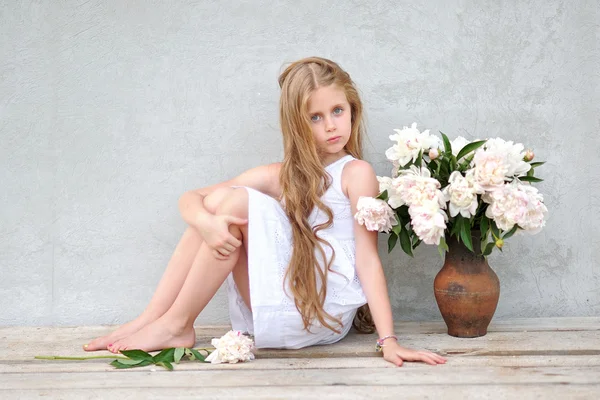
[(466, 290)]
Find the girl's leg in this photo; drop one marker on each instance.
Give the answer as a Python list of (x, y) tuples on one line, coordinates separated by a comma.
[(175, 327), (171, 281), (165, 293)]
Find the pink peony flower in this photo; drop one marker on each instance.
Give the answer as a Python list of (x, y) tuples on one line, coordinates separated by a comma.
[(516, 203), (414, 186), (375, 214)]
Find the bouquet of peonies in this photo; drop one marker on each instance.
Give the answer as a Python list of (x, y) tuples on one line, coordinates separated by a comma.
[(440, 188)]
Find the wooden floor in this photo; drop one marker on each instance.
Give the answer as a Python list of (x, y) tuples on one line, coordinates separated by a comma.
[(555, 358)]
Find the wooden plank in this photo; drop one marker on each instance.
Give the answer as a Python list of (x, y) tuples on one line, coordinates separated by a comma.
[(85, 333), (39, 366), (494, 343), (206, 379), (522, 392)]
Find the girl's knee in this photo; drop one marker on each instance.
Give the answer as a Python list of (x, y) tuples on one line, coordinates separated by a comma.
[(234, 203), (216, 197)]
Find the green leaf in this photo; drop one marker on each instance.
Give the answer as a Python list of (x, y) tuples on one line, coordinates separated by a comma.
[(383, 195), (530, 172), (444, 168), (469, 148), (442, 247), (447, 146), (403, 215), (129, 361), (537, 164), (415, 241), (166, 365), (456, 226), (488, 248), (465, 235), (529, 179), (137, 355), (397, 228), (453, 163), (197, 355), (511, 232), (178, 355), (392, 241), (484, 226), (120, 364), (165, 355), (405, 242)]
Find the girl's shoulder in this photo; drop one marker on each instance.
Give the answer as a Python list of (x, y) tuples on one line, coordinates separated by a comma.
[(357, 173)]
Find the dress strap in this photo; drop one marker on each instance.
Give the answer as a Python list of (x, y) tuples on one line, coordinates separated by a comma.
[(335, 170)]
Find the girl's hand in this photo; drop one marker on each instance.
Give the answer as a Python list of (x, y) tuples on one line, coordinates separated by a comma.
[(214, 229), (397, 354)]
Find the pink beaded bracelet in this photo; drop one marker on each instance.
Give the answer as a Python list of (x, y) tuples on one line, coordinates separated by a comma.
[(380, 341)]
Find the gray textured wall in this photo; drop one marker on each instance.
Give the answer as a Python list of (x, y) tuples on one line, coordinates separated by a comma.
[(109, 110)]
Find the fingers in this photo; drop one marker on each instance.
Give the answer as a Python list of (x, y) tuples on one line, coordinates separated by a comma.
[(439, 359), (234, 242), (227, 248), (235, 220), (219, 256), (431, 358), (427, 359)]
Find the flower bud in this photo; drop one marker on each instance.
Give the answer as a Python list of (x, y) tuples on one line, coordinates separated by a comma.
[(529, 155), (499, 243), (433, 154)]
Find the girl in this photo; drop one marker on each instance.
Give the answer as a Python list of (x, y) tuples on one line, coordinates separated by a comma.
[(283, 235)]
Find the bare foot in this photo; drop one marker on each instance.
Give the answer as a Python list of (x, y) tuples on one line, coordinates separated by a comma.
[(123, 331), (160, 334)]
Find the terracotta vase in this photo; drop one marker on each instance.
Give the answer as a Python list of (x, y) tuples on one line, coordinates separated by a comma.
[(466, 290)]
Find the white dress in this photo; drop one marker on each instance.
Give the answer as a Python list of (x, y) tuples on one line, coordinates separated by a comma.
[(274, 320)]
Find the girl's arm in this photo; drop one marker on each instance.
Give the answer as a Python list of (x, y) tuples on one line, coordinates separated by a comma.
[(264, 179), (359, 179), (214, 229)]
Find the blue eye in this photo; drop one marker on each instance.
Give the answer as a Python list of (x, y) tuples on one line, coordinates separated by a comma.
[(338, 110), (315, 118)]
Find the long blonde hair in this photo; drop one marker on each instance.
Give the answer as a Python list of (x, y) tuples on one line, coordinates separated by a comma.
[(304, 180)]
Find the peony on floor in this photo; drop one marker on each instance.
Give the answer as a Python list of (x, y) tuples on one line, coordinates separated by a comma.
[(528, 358)]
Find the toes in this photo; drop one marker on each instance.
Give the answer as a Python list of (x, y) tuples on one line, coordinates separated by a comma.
[(96, 344)]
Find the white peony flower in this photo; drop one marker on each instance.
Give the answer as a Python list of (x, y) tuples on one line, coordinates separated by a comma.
[(409, 142), (516, 203), (462, 192), (490, 169), (375, 214), (231, 348), (428, 222), (415, 186), (514, 154), (394, 199), (385, 183), (457, 144)]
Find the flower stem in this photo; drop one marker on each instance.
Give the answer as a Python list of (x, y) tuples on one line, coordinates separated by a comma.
[(76, 358)]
